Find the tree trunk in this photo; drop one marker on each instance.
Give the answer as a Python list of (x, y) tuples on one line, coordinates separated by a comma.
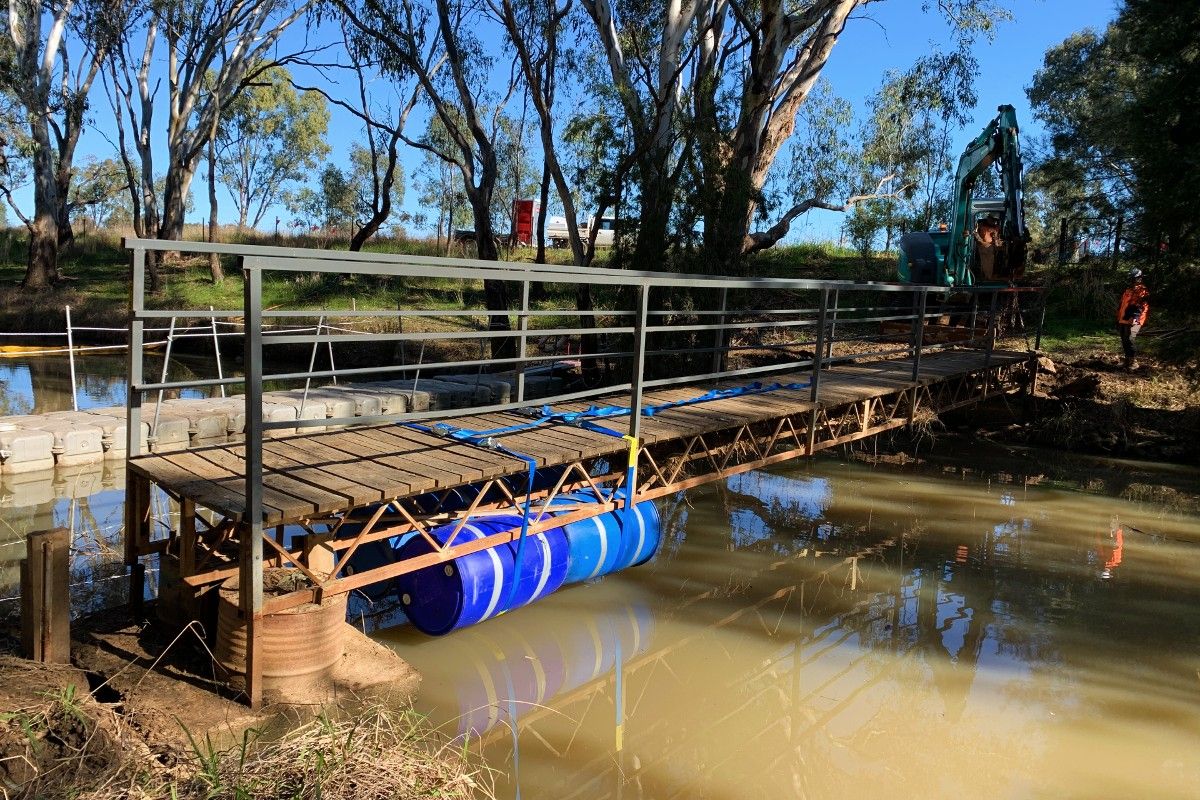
[(43, 252), (495, 293), (178, 181), (43, 233), (214, 260), (656, 196), (543, 199)]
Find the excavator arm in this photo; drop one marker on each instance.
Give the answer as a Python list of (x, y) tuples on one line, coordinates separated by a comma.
[(946, 258)]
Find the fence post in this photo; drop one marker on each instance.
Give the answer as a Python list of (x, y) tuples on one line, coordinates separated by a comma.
[(251, 572), (71, 358), (46, 597)]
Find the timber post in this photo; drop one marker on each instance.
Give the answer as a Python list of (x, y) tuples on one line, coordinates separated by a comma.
[(46, 597)]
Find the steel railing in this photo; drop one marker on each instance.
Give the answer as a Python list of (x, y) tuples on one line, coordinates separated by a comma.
[(816, 324)]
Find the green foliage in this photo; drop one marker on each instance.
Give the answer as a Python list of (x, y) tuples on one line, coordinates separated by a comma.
[(825, 161), (100, 190), (1123, 126), (270, 136)]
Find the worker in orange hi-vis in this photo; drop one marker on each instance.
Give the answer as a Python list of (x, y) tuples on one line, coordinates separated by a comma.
[(1131, 315)]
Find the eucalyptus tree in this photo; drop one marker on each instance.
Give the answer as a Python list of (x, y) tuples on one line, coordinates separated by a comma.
[(436, 43), (375, 167), (720, 82), (53, 51), (214, 49), (269, 136)]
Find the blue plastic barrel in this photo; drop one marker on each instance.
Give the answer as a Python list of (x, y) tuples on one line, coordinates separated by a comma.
[(474, 587), (601, 545)]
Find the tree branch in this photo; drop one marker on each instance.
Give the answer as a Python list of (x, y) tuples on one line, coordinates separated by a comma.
[(761, 240)]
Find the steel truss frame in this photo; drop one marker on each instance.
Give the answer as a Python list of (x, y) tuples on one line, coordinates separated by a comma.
[(206, 546)]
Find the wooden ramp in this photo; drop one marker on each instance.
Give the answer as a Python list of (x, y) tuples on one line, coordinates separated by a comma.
[(312, 476)]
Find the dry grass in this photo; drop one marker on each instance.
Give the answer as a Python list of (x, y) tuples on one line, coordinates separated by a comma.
[(57, 741), (374, 754)]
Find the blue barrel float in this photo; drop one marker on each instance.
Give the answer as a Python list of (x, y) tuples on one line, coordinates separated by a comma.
[(471, 588), (474, 587), (600, 545)]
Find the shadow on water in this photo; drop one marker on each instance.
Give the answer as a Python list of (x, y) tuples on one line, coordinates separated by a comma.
[(841, 628)]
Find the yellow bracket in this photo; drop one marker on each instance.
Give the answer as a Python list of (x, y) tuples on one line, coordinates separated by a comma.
[(633, 450)]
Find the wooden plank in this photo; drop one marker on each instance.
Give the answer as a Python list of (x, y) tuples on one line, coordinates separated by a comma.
[(323, 500), (438, 474), (220, 460), (291, 460), (217, 494), (387, 482), (581, 442), (541, 444), (469, 460), (348, 445)]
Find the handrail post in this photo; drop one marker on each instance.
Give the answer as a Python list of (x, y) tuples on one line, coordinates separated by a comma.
[(918, 341), (133, 429), (523, 327), (639, 363), (818, 352), (832, 327), (820, 344), (71, 358), (217, 350), (251, 572), (718, 360)]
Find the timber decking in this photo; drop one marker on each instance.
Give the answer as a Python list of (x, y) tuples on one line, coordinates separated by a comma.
[(310, 475)]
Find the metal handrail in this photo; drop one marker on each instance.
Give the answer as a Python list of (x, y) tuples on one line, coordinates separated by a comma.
[(639, 336)]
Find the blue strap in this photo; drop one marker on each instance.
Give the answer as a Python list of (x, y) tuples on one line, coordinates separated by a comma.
[(584, 419)]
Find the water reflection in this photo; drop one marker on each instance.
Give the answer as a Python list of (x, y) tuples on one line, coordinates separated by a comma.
[(41, 384), (837, 629), (87, 500)]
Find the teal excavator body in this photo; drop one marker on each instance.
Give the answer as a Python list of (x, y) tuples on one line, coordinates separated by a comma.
[(953, 257)]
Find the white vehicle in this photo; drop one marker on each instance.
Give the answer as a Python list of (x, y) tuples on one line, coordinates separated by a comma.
[(558, 235)]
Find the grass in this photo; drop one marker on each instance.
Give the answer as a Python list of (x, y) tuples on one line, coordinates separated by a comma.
[(375, 753), (97, 285), (62, 743)]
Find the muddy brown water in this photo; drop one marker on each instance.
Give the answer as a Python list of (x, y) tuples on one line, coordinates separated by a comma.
[(837, 629), (965, 626)]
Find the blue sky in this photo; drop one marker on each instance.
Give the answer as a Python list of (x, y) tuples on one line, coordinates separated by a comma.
[(887, 35)]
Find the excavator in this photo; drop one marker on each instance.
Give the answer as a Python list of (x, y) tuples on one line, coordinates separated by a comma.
[(955, 256)]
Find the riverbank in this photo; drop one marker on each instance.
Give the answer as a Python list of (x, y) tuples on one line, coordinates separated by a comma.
[(138, 714)]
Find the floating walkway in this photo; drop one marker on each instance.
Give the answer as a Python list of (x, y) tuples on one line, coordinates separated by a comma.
[(755, 372)]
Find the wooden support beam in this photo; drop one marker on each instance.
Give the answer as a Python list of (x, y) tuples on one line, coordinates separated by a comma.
[(137, 536), (46, 597)]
